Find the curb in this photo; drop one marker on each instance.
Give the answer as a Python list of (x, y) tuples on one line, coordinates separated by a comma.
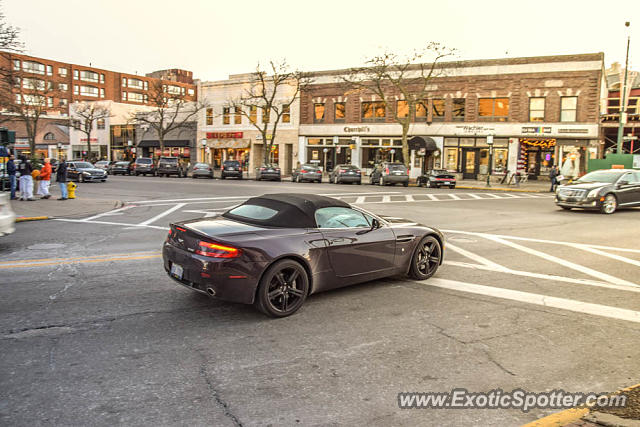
[(31, 218), (513, 190), (570, 415)]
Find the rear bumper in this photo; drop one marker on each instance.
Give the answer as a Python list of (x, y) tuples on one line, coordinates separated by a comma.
[(350, 178), (230, 279), (269, 175), (310, 176), (394, 179), (231, 173), (202, 173)]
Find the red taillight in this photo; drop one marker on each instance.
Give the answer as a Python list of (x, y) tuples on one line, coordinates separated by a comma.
[(343, 170), (303, 171), (386, 171), (407, 171), (217, 251), (357, 171), (262, 169), (181, 229)]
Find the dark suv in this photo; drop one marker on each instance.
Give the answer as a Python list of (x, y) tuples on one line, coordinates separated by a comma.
[(231, 168), (144, 166), (390, 173), (171, 166)]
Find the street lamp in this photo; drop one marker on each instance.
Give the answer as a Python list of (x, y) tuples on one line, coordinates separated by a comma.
[(325, 151), (490, 144), (203, 142), (59, 151), (623, 107), (393, 152)]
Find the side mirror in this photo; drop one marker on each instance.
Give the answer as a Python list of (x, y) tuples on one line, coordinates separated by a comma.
[(375, 224), (623, 182)]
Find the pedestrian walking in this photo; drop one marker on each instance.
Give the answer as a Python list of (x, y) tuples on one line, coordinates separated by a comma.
[(553, 175), (26, 180), (45, 179), (61, 178), (11, 171)]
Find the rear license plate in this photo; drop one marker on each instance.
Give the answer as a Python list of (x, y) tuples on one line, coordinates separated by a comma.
[(397, 173), (176, 271)]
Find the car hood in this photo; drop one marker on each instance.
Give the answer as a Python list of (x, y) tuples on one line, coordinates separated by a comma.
[(585, 185), (90, 170)]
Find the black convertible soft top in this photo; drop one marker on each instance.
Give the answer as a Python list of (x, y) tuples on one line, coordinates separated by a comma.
[(295, 210)]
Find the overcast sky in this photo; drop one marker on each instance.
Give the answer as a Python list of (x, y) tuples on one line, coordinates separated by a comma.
[(215, 38)]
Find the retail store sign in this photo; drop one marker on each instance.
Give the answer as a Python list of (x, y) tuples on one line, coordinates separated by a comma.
[(359, 129), (92, 139), (573, 130), (224, 135), (536, 129), (473, 130)]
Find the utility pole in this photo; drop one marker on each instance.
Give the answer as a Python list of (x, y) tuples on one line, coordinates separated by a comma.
[(623, 105)]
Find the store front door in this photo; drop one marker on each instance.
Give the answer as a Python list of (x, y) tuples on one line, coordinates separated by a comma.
[(469, 163)]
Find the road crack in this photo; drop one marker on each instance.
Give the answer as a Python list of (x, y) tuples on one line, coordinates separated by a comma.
[(214, 392)]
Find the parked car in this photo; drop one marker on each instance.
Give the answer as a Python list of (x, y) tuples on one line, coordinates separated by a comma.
[(103, 164), (144, 166), (268, 171), (267, 251), (202, 170), (345, 173), (121, 168), (231, 168), (306, 172), (389, 173), (604, 190), (84, 172), (171, 166), (437, 178), (7, 217)]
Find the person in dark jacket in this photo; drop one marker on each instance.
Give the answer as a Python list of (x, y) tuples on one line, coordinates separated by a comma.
[(553, 174), (26, 180), (61, 177), (11, 171)]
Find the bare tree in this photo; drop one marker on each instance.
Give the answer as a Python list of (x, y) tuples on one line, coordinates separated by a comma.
[(272, 92), (9, 36), (389, 75), (170, 109), (85, 115)]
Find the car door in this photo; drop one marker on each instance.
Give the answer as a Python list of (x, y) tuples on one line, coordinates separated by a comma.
[(353, 246), (72, 172), (631, 190)]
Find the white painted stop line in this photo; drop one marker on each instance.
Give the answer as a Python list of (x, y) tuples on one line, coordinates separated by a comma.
[(538, 299)]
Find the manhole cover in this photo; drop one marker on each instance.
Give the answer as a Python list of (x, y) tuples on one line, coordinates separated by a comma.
[(45, 246)]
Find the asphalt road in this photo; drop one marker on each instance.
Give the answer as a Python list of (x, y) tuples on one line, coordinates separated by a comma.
[(529, 297)]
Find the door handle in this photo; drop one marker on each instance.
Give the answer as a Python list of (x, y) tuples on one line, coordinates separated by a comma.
[(337, 240)]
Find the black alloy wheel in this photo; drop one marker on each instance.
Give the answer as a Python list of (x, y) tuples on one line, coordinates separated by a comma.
[(426, 258), (283, 289)]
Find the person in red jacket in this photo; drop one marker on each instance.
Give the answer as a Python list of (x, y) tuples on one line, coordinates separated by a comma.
[(45, 179)]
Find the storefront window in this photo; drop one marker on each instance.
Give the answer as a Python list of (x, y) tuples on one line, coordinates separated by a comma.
[(451, 142), (339, 112), (484, 162), (500, 156), (451, 159), (467, 142), (402, 109), (458, 109), (318, 113), (536, 109), (437, 110)]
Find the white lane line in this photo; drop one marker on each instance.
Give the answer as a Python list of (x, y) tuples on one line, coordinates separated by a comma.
[(387, 199), (587, 282), (163, 214), (196, 199), (113, 212), (454, 196), (537, 299), (409, 198), (360, 199), (608, 255), (122, 224), (475, 196), (477, 258), (554, 242), (495, 196), (586, 270), (433, 197)]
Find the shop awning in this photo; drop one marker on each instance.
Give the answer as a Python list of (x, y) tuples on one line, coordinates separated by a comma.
[(426, 142), (171, 143)]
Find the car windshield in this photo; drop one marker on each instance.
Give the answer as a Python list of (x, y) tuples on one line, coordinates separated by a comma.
[(439, 172), (348, 167), (397, 167), (232, 163), (102, 162), (201, 165), (269, 165), (309, 167), (169, 160), (601, 176), (122, 164), (145, 161), (83, 165), (253, 212)]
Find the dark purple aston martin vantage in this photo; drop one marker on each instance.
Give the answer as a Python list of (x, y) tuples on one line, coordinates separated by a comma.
[(275, 250)]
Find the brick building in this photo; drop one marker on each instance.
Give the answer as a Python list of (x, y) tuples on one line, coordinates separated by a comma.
[(538, 111), (611, 106), (69, 83)]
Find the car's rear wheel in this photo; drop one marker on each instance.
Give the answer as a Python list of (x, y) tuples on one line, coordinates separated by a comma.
[(566, 208), (406, 184), (609, 205), (283, 289), (426, 258)]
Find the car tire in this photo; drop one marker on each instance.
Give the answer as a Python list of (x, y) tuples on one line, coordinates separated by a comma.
[(452, 187), (405, 184), (566, 208), (428, 184), (80, 178), (103, 180), (426, 258), (222, 176), (284, 280), (359, 182), (609, 205)]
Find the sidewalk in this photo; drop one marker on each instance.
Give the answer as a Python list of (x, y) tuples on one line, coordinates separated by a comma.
[(52, 208)]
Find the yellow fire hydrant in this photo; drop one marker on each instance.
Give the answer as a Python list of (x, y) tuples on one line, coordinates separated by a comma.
[(71, 189)]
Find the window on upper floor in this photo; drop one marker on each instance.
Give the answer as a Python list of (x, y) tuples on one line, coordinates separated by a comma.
[(457, 110), (49, 70), (286, 114), (124, 82), (437, 109), (101, 78), (226, 115), (62, 72), (191, 92), (536, 109), (63, 102), (339, 112), (253, 114), (33, 84), (89, 91), (209, 117), (266, 115), (49, 136), (373, 111), (49, 101), (421, 111), (402, 109), (172, 89), (76, 89), (16, 64), (89, 76), (33, 67), (135, 97), (568, 108), (318, 112), (101, 92), (493, 109), (135, 84), (76, 74), (100, 123), (63, 87), (237, 116)]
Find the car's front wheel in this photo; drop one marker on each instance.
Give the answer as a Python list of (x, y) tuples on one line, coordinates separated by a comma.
[(609, 205), (283, 289), (426, 258)]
